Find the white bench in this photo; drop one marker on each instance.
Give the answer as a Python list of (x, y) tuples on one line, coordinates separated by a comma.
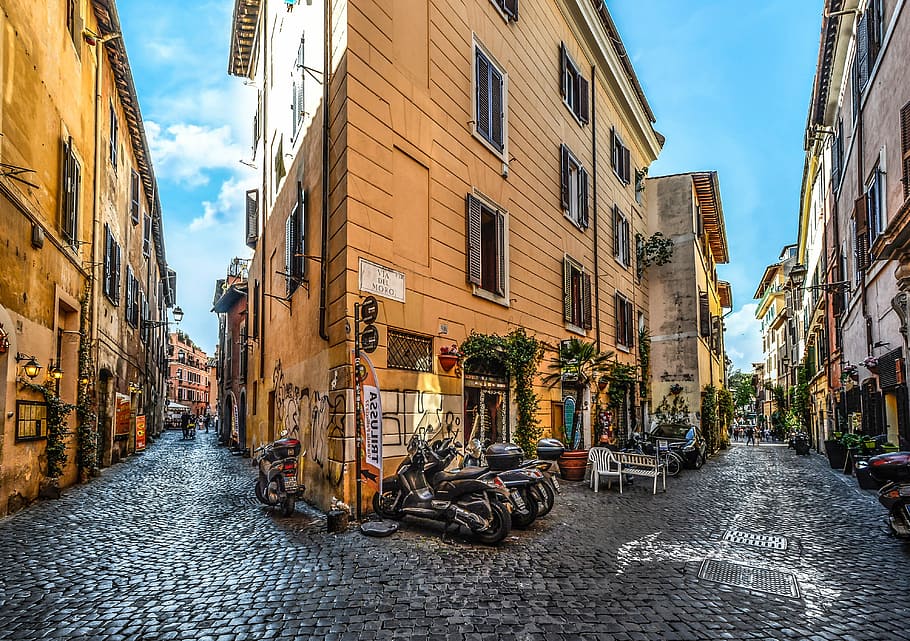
[(608, 464)]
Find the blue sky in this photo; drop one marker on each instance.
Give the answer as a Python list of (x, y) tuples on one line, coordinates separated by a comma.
[(728, 81)]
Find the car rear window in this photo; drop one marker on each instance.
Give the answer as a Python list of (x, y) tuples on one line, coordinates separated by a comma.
[(673, 431)]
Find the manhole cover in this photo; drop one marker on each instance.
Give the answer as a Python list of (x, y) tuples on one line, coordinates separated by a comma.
[(757, 540), (751, 578)]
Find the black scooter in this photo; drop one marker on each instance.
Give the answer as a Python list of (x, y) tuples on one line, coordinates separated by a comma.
[(277, 483), (453, 497), (895, 496)]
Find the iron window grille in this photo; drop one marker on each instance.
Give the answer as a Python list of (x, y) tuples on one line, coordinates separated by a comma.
[(410, 351), (31, 420)]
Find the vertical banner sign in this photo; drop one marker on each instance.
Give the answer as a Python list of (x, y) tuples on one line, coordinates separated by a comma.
[(371, 436), (122, 415), (140, 432), (573, 431)]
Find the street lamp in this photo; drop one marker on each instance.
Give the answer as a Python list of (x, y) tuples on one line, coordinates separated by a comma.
[(178, 316)]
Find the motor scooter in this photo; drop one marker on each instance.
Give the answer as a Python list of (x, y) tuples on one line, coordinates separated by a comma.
[(277, 483), (895, 496)]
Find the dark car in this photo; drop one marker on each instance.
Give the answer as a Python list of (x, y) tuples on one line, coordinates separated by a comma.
[(684, 439)]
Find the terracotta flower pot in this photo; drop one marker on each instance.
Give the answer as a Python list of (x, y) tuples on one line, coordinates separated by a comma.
[(447, 361), (572, 465)]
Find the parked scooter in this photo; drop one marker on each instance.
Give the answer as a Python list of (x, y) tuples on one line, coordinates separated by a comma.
[(277, 482), (799, 441), (453, 497), (895, 496)]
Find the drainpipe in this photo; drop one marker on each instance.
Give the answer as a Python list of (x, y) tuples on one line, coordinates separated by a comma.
[(103, 451), (594, 190), (263, 257), (324, 244)]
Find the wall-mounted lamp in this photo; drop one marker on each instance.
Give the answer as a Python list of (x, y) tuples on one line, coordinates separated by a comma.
[(91, 38), (31, 367), (178, 316), (135, 388), (54, 371)]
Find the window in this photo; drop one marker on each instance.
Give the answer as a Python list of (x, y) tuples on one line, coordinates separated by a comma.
[(113, 137), (111, 266), (31, 420), (297, 92), (295, 243), (625, 327), (134, 196), (131, 310), (252, 217), (621, 238), (574, 86), (621, 161), (143, 314), (71, 19), (410, 351), (508, 8), (489, 100), (486, 247), (869, 36), (704, 315), (837, 153), (875, 204), (860, 237), (573, 188), (905, 149), (147, 235), (72, 183), (576, 294)]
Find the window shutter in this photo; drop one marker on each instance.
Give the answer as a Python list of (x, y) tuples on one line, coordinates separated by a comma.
[(501, 255), (583, 196), (617, 307), (128, 307), (862, 51), (626, 165), (835, 159), (564, 176), (303, 220), (861, 220), (299, 113), (134, 196), (511, 9), (472, 236), (614, 150), (75, 188), (566, 290), (290, 234), (586, 301), (108, 261), (617, 217), (252, 217), (905, 148), (563, 66), (497, 117), (583, 107), (627, 241), (147, 236), (67, 189), (704, 315), (294, 110), (483, 95)]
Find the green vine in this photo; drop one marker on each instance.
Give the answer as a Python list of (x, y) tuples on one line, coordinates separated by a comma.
[(644, 361), (56, 427), (656, 250), (709, 416), (727, 410), (621, 378), (518, 355), (86, 417), (672, 412)]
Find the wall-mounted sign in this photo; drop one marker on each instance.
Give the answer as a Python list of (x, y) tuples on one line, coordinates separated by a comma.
[(122, 415), (140, 433), (382, 281)]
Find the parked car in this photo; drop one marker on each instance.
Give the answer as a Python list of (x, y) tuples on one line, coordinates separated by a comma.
[(685, 439)]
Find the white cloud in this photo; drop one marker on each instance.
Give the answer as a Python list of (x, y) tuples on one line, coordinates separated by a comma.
[(743, 337), (228, 207), (183, 152)]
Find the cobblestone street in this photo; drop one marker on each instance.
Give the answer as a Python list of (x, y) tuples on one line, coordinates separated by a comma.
[(172, 545)]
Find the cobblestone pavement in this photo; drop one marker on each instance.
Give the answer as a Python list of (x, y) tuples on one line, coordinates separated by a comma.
[(172, 545)]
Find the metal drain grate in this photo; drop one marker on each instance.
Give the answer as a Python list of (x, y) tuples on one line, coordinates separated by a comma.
[(751, 578), (757, 540)]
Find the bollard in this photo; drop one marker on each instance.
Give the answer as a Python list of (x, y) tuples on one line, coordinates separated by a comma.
[(336, 520)]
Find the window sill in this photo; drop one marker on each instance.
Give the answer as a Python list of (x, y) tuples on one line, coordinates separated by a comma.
[(581, 123), (492, 148), (30, 439), (490, 296), (574, 221), (624, 348), (575, 329)]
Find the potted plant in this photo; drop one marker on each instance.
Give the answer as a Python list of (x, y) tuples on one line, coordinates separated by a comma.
[(889, 447), (836, 452), (449, 355), (577, 365)]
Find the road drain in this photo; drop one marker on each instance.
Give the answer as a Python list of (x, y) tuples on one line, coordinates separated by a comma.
[(756, 540), (751, 578)]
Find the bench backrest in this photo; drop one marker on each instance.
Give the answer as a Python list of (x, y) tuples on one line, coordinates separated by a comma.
[(639, 460)]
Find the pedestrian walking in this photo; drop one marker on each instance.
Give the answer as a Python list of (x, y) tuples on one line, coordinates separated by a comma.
[(184, 424), (750, 435), (206, 420)]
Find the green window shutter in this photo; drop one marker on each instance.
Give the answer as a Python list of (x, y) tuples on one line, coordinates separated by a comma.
[(566, 290), (617, 217), (473, 238), (704, 315), (586, 301)]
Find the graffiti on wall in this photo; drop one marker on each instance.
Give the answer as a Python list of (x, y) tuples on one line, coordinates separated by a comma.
[(406, 411), (289, 399)]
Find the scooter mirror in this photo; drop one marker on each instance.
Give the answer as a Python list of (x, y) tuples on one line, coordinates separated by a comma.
[(283, 433)]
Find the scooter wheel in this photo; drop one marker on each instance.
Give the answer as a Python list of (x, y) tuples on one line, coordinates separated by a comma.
[(524, 518), (383, 505), (549, 498), (500, 524), (260, 492), (287, 505)]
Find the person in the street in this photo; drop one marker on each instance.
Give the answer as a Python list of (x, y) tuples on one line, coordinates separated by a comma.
[(184, 424), (750, 435), (206, 420)]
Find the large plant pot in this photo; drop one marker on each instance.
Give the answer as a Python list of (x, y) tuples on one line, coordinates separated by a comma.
[(572, 465), (837, 454)]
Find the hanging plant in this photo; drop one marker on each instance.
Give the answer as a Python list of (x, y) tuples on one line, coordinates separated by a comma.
[(620, 378), (709, 416), (644, 361), (86, 417), (656, 249), (56, 427)]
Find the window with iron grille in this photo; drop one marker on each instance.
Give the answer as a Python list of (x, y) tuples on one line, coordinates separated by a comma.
[(31, 420), (410, 351)]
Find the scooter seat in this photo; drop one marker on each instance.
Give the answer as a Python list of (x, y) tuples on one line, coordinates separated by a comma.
[(469, 472)]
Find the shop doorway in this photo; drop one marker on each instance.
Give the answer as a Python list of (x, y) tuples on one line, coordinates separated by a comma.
[(486, 410)]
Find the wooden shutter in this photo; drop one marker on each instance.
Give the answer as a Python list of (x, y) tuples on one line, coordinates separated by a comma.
[(617, 216), (500, 255), (586, 301), (626, 165), (303, 220), (252, 217), (835, 158), (116, 273), (511, 9), (563, 67), (66, 210), (704, 315), (861, 221), (614, 150), (583, 197), (290, 234), (473, 237), (130, 295), (905, 148), (497, 116), (617, 307), (134, 197), (483, 95), (862, 51), (76, 187), (566, 290), (583, 103), (108, 261), (147, 236), (564, 176)]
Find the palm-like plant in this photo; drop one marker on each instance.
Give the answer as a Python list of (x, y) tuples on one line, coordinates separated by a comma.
[(578, 364)]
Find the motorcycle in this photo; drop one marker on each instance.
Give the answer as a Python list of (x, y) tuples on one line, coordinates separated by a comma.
[(894, 468), (277, 483), (452, 497)]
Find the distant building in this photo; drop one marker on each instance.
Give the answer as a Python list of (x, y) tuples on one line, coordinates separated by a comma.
[(231, 355), (189, 374)]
